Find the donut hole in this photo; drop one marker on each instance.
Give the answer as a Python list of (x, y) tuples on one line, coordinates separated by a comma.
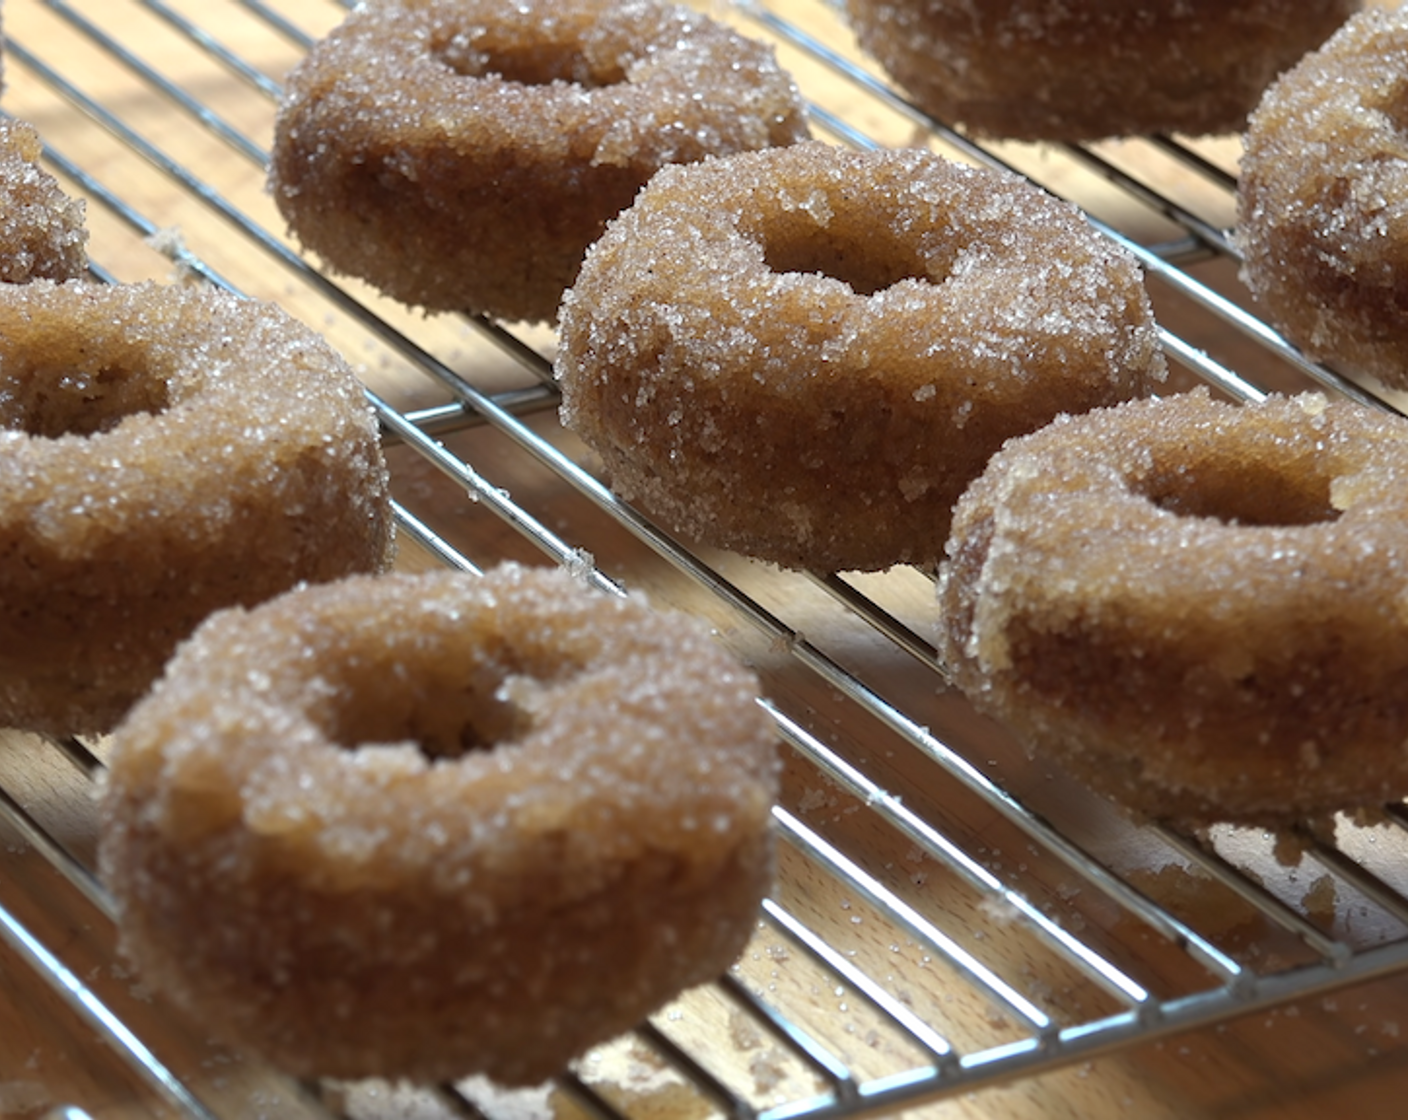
[(525, 63), (447, 714), (1240, 491), (868, 260), (49, 403)]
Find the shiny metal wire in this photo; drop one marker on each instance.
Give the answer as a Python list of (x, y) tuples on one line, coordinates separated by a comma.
[(1038, 1041)]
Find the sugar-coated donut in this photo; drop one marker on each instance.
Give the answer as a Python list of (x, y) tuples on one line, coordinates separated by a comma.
[(805, 354), (1086, 69), (462, 154), (42, 235), (1323, 200), (1197, 606), (163, 452), (426, 826)]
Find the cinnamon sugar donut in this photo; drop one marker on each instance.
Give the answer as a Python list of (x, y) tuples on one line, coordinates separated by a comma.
[(805, 354), (163, 452), (425, 826), (1323, 200), (1198, 607), (42, 235), (462, 154), (1086, 69)]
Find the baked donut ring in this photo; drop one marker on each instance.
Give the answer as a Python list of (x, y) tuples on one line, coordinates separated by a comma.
[(1086, 69), (1196, 606), (163, 452), (42, 236), (462, 154), (805, 354), (426, 826), (1322, 217)]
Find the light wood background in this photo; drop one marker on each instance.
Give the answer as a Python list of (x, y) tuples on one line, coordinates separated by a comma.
[(1339, 1055)]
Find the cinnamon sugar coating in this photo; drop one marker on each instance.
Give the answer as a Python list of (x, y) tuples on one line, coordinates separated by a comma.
[(1086, 69), (462, 154), (1196, 606), (1323, 200), (805, 354), (163, 452), (42, 235), (426, 826)]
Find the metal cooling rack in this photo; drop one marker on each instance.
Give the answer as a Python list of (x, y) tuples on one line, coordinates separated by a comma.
[(949, 916)]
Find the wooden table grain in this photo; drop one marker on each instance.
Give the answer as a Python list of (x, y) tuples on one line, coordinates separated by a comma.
[(1338, 1055)]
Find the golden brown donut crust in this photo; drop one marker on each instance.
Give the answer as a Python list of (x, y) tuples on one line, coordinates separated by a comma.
[(805, 354), (1323, 200), (1196, 606), (163, 452), (462, 154), (425, 826), (42, 235), (1086, 69)]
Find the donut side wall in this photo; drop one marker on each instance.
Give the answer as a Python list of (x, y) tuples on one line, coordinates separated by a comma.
[(1029, 70), (940, 893)]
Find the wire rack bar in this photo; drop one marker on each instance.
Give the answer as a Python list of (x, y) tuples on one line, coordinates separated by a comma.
[(158, 81), (1086, 1042), (697, 1071), (912, 922), (1231, 987), (940, 847), (80, 999), (216, 49), (1333, 951), (821, 1061), (588, 1099), (918, 1031), (1363, 880), (81, 878), (1206, 233), (275, 19)]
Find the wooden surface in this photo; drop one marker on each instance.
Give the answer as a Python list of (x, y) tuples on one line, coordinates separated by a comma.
[(1337, 1055)]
